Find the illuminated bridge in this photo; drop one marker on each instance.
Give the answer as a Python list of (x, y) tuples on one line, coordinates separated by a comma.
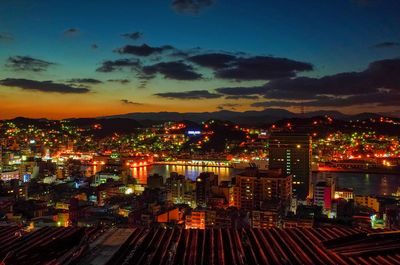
[(197, 163)]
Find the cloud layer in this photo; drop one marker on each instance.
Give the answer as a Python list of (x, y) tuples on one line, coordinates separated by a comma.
[(128, 102), (143, 50), (43, 86), (194, 94), (191, 6), (133, 36), (85, 81), (378, 84), (387, 44), (250, 68), (110, 66), (26, 63)]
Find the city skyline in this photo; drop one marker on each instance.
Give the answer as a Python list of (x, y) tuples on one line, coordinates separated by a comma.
[(72, 59)]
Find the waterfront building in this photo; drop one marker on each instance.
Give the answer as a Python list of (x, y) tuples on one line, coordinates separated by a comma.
[(344, 193)]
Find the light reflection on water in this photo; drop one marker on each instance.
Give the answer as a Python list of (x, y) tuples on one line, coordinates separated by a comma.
[(362, 183), (191, 172)]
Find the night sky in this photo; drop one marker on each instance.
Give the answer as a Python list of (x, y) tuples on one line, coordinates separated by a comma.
[(62, 59)]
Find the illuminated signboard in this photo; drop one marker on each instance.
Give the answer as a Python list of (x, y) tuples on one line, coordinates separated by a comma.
[(193, 132)]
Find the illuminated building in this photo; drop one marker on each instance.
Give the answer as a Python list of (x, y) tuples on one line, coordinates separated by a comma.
[(70, 145), (204, 219), (6, 176), (1, 157), (324, 193), (180, 188), (344, 193), (136, 161), (291, 152), (109, 190), (173, 215), (264, 219), (255, 186), (296, 222), (204, 182), (60, 173), (29, 168), (101, 177), (196, 220), (369, 202)]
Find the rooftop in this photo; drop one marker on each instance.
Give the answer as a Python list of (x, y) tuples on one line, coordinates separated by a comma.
[(330, 245)]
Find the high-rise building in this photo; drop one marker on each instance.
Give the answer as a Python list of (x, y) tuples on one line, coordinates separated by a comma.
[(253, 187), (291, 152), (1, 158), (180, 188), (204, 182)]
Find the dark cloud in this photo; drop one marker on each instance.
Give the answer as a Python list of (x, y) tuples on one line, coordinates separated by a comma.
[(26, 63), (276, 103), (262, 68), (95, 46), (191, 6), (43, 86), (387, 44), (378, 99), (181, 54), (228, 66), (242, 97), (72, 32), (212, 60), (194, 94), (143, 50), (122, 81), (224, 64), (242, 91), (379, 74), (133, 36), (110, 66), (6, 37), (128, 102), (171, 70), (85, 81), (378, 84)]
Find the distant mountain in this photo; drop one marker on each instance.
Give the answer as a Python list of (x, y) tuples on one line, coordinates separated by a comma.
[(127, 122), (248, 117), (108, 126)]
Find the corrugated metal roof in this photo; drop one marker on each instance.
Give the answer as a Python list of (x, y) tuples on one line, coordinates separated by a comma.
[(257, 246), (325, 246)]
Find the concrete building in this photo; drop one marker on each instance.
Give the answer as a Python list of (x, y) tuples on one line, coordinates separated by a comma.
[(180, 188), (204, 183), (291, 152), (368, 201), (253, 187)]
